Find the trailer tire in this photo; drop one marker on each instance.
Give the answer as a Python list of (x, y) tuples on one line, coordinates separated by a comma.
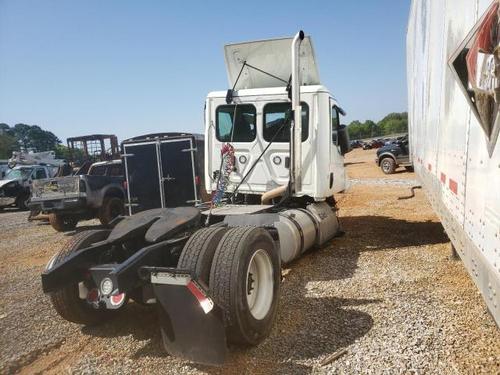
[(62, 223), (245, 282), (66, 301), (199, 250), (388, 165), (110, 209)]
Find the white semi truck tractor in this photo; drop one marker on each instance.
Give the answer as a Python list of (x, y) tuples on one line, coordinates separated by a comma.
[(454, 96), (273, 161)]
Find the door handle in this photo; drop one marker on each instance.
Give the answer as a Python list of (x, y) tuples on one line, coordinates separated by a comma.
[(168, 178)]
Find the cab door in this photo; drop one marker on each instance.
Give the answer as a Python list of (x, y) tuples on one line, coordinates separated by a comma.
[(336, 158)]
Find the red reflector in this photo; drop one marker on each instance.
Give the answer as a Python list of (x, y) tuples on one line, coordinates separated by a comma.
[(429, 167), (197, 180), (125, 185), (453, 186), (205, 302), (443, 178), (118, 299)]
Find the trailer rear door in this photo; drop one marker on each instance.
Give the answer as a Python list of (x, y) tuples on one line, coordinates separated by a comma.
[(143, 178), (178, 176), (160, 174)]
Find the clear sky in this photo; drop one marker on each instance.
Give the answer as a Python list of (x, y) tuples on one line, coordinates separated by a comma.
[(135, 67)]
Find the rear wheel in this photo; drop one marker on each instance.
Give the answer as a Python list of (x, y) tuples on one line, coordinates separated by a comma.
[(388, 165), (67, 301), (110, 209), (198, 252), (245, 282), (62, 223)]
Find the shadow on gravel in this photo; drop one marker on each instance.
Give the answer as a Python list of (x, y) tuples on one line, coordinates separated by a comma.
[(353, 163), (378, 233), (139, 321), (382, 232)]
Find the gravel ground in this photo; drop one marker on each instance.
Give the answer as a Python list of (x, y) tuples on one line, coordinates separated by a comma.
[(386, 292)]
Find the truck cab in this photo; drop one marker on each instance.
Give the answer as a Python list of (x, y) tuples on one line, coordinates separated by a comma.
[(253, 124), (252, 118)]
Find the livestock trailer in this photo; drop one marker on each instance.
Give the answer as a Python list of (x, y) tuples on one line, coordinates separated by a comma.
[(163, 170), (273, 160), (453, 59)]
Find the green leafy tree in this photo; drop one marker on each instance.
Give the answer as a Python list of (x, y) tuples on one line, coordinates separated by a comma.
[(62, 152), (4, 128), (7, 145), (393, 123), (32, 137)]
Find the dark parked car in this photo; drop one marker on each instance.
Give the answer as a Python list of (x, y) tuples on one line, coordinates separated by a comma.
[(356, 144), (393, 156), (100, 193)]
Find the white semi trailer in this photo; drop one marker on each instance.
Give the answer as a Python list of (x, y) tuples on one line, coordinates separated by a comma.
[(453, 52)]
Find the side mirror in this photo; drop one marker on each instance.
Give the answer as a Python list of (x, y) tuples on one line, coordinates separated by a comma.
[(343, 140)]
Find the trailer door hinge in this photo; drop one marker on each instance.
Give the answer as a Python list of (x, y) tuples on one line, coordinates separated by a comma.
[(189, 150), (126, 155)]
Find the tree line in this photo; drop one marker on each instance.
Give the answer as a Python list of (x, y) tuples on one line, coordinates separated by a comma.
[(23, 137), (393, 123)]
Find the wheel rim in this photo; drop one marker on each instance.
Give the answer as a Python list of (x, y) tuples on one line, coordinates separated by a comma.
[(260, 284), (386, 166)]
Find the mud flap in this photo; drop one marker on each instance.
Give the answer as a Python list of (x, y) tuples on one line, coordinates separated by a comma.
[(191, 325)]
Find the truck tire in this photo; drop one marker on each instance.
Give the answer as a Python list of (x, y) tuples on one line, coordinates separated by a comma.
[(245, 282), (388, 165), (198, 252), (66, 301), (110, 209), (62, 223)]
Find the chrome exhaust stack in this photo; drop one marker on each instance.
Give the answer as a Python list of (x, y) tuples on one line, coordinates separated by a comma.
[(296, 129)]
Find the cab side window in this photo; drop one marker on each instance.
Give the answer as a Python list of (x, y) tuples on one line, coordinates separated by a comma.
[(115, 170), (98, 170), (40, 174), (335, 124)]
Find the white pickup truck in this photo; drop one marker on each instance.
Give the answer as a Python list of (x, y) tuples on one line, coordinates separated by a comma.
[(15, 185)]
